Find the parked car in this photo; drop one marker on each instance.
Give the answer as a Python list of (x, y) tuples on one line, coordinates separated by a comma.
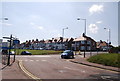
[(12, 52), (67, 54), (25, 53)]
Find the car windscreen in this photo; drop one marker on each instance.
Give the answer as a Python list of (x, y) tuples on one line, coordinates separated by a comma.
[(66, 51), (27, 52)]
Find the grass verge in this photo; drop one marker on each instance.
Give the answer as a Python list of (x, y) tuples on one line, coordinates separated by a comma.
[(37, 52), (111, 59)]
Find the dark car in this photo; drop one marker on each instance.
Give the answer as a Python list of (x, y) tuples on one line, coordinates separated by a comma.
[(67, 54), (25, 53)]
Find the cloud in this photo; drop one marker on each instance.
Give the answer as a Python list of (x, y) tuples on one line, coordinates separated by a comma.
[(93, 28), (36, 26), (40, 27), (98, 22), (96, 9), (32, 23)]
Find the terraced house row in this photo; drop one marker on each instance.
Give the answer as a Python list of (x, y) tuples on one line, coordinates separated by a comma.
[(60, 43)]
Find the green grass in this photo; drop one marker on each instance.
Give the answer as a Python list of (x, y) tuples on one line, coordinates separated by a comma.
[(111, 59), (37, 52)]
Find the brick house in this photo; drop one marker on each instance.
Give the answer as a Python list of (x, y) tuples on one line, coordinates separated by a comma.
[(103, 46), (84, 43)]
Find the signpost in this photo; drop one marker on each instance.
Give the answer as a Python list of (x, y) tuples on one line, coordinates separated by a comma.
[(10, 46)]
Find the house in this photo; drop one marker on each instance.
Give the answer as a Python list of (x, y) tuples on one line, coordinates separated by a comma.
[(103, 46), (57, 43), (60, 43), (84, 43)]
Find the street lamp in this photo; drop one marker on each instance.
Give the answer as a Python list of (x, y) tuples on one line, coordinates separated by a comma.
[(109, 39), (85, 24), (84, 34), (5, 18), (63, 35)]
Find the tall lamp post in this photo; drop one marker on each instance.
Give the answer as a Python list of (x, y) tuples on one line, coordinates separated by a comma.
[(84, 34), (63, 35), (109, 38)]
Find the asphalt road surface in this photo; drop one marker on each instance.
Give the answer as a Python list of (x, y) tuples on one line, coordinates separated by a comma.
[(53, 67)]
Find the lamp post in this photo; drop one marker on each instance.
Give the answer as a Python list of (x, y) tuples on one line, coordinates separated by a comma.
[(84, 34), (5, 18), (63, 35), (109, 38), (85, 24)]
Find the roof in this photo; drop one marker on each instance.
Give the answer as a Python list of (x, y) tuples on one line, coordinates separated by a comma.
[(65, 39), (101, 44), (79, 38)]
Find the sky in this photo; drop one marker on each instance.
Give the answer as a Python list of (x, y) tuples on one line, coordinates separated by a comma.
[(46, 20)]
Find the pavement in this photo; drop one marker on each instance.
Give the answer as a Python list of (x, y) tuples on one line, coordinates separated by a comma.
[(81, 60), (14, 71)]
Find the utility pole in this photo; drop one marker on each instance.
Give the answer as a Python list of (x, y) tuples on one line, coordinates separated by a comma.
[(63, 35), (109, 38)]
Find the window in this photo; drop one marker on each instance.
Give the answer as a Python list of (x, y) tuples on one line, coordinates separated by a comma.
[(88, 42), (88, 47), (82, 47), (83, 42)]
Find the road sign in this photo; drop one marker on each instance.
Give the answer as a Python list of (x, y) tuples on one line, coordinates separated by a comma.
[(16, 42)]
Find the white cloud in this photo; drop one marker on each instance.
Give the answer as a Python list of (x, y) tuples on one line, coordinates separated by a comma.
[(40, 27), (96, 8), (93, 28), (36, 26), (99, 22), (32, 23)]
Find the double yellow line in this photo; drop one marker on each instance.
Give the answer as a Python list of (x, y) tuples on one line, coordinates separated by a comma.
[(27, 72)]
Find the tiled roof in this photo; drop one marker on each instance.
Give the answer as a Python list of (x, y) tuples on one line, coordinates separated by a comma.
[(79, 39), (100, 44)]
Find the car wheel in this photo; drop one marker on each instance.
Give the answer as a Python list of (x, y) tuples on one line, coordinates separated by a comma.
[(72, 57)]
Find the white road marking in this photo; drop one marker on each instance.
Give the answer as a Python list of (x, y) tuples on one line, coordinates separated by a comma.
[(105, 77), (75, 69), (43, 60), (31, 60), (41, 56), (37, 60), (25, 60), (62, 71), (33, 56)]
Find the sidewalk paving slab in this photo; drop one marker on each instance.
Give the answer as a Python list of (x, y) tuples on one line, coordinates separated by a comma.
[(13, 72)]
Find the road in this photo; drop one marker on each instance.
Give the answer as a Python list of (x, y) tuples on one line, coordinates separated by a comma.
[(53, 67)]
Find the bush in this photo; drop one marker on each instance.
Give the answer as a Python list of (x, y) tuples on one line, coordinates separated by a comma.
[(111, 59), (115, 50)]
